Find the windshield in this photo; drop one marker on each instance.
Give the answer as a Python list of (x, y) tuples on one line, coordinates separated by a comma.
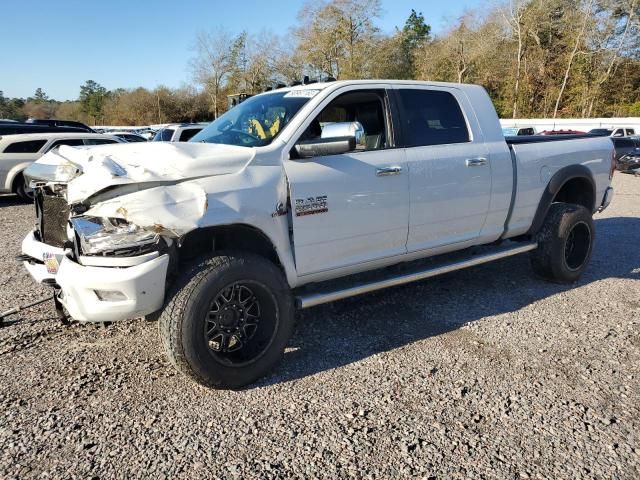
[(256, 121)]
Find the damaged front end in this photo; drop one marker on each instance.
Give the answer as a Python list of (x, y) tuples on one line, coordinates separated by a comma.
[(103, 266), (68, 226), (110, 218), (102, 269)]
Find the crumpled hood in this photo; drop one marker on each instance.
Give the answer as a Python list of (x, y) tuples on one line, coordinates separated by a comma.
[(103, 166)]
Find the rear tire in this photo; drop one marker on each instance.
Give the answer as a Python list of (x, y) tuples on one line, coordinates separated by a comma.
[(228, 320), (565, 243)]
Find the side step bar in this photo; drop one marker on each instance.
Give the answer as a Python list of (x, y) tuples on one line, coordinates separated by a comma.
[(306, 300)]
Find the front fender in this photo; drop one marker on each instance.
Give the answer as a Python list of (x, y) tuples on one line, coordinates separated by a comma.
[(13, 173), (249, 197)]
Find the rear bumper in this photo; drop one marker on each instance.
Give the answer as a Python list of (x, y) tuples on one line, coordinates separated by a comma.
[(606, 200), (139, 281)]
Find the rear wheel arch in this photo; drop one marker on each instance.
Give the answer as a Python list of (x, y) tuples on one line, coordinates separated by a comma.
[(572, 184)]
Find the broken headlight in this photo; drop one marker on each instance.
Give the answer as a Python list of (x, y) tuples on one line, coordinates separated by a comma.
[(103, 235), (43, 171)]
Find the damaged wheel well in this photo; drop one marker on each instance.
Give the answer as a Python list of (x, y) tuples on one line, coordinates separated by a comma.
[(227, 237)]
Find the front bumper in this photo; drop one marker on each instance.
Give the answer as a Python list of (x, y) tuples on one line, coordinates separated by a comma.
[(139, 280)]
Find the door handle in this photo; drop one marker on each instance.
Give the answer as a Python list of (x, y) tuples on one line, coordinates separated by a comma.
[(386, 171), (475, 162)]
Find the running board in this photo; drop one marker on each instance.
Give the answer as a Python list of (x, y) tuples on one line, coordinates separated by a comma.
[(311, 299)]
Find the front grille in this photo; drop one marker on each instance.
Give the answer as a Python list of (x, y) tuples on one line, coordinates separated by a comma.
[(53, 214)]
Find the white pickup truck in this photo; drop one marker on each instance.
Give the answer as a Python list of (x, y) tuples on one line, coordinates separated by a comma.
[(301, 196)]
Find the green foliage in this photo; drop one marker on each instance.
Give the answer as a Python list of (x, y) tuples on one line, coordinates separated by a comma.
[(39, 96), (92, 98), (633, 110), (415, 32), (11, 108)]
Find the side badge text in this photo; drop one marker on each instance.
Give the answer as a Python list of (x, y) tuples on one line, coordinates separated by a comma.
[(311, 205)]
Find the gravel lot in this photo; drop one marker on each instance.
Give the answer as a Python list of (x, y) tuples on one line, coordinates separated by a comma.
[(484, 373)]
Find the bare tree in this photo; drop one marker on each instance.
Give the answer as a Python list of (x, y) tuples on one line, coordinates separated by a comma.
[(338, 37), (586, 15), (213, 63), (618, 42), (514, 16)]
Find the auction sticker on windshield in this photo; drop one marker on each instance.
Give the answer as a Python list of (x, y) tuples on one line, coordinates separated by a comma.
[(302, 93)]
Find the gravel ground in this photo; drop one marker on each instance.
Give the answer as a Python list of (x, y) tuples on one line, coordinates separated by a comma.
[(484, 373)]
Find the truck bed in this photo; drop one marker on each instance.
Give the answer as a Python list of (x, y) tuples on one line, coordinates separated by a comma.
[(536, 158)]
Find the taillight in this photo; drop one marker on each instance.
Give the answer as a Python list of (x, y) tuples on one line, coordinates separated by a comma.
[(613, 164)]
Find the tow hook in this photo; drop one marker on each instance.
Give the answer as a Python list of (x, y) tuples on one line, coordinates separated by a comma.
[(64, 318)]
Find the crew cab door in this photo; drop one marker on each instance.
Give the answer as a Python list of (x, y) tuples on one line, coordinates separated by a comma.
[(349, 208), (449, 165)]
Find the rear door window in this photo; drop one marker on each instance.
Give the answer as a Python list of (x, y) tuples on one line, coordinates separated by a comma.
[(186, 135), (163, 135), (630, 131), (431, 117), (30, 146)]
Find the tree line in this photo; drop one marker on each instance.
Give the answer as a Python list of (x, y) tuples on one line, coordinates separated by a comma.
[(536, 58)]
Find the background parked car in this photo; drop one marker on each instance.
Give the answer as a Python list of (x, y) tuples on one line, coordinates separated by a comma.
[(630, 162), (624, 145), (613, 132), (562, 132), (147, 133), (17, 128), (17, 152), (52, 122), (129, 137), (180, 132), (517, 131)]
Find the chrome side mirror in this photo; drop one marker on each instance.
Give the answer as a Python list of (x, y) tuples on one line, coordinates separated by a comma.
[(345, 129), (336, 139)]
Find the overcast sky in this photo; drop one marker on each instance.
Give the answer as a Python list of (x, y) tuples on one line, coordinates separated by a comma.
[(58, 45)]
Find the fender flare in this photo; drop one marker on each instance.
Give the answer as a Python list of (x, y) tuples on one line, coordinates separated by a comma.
[(557, 181), (283, 255)]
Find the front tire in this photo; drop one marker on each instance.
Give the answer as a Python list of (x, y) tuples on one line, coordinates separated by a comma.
[(228, 320), (22, 189), (565, 243)]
